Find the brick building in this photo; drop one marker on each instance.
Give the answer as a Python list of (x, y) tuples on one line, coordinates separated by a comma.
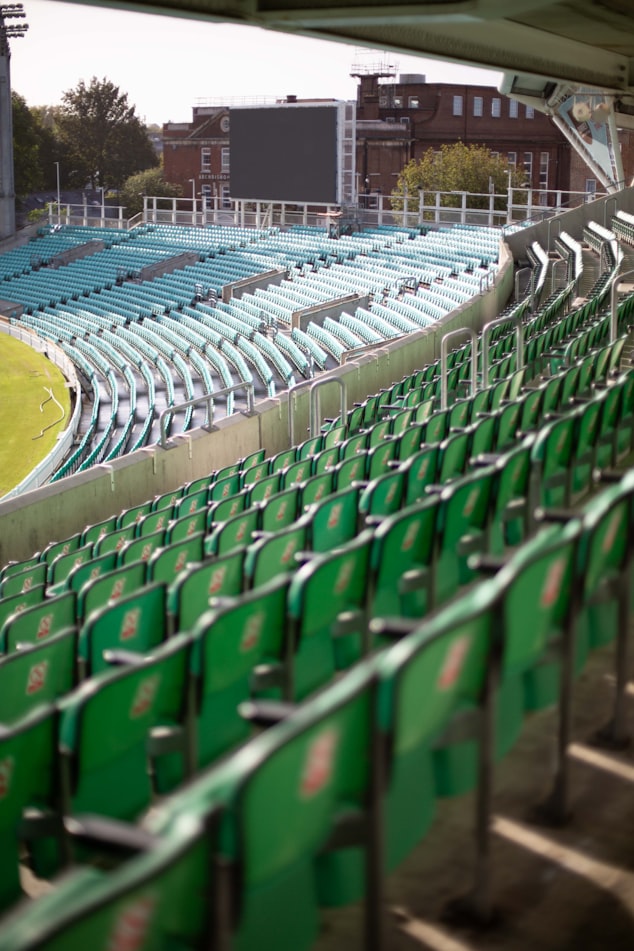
[(398, 119), (196, 154)]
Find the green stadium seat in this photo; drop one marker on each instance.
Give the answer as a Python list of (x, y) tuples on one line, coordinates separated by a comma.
[(38, 621), (110, 586), (136, 622), (191, 592), (37, 674)]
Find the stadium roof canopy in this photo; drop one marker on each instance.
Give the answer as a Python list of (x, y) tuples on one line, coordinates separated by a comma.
[(584, 42)]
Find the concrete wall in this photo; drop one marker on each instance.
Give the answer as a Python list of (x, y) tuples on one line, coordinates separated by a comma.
[(300, 319), (248, 284), (53, 512)]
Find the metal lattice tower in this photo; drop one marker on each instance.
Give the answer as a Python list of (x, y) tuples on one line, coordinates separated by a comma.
[(8, 31)]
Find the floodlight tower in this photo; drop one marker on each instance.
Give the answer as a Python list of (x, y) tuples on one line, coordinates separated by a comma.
[(8, 11)]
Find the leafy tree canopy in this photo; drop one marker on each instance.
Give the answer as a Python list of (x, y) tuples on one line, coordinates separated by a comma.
[(456, 168), (105, 140), (150, 182), (27, 133)]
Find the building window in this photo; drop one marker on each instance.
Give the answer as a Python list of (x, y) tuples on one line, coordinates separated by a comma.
[(457, 105), (383, 100), (514, 110), (528, 167), (477, 105), (205, 192), (404, 120), (543, 170), (591, 187), (390, 119), (205, 160), (512, 158), (413, 102), (530, 112), (496, 107), (398, 102), (225, 194), (224, 159)]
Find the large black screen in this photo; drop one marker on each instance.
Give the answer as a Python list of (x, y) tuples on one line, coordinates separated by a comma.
[(284, 153)]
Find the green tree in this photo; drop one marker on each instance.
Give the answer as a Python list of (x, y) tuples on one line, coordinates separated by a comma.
[(26, 147), (456, 168), (151, 182), (105, 140)]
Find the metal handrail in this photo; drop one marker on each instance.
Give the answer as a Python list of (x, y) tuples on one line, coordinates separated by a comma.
[(208, 398), (608, 200), (443, 362), (519, 330), (520, 271), (614, 293), (315, 407)]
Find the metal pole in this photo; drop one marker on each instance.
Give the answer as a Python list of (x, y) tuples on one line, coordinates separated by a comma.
[(59, 197)]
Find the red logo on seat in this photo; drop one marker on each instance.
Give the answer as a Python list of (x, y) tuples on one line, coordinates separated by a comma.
[(28, 583), (281, 512), (343, 578), (44, 627), (37, 677), (552, 585), (252, 632), (180, 561), (6, 772), (217, 580), (453, 663), (144, 697), (117, 589), (335, 515), (611, 531), (130, 624), (131, 927), (319, 762), (288, 552), (410, 537)]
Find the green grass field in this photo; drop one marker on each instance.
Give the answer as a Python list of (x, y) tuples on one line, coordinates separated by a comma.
[(26, 409)]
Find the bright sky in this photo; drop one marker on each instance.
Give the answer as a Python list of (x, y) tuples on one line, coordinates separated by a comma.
[(165, 64)]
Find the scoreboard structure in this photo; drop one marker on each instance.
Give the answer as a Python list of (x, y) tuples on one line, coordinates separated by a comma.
[(296, 153)]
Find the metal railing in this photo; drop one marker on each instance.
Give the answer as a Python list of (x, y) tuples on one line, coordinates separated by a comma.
[(208, 398), (315, 404)]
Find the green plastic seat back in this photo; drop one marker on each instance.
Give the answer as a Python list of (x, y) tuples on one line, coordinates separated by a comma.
[(436, 427), (454, 455), (62, 565), (134, 514), (155, 521), (379, 457), (353, 445), (14, 567), (310, 447), (334, 520), (256, 472), (223, 509), (110, 586), (445, 662), (586, 436), (553, 451), (234, 533), (315, 488), (460, 414), (167, 499), (187, 525), (321, 591), (272, 555), (403, 559), (254, 458), (538, 582), (401, 422), (36, 623), (463, 527), (105, 728), (223, 488), (190, 503), (114, 540), (36, 674), (350, 470), (571, 385), (424, 410), (281, 509), (301, 775), (378, 432), (297, 472), (27, 778), (166, 564), (136, 622), (508, 424), (421, 470), (16, 603), (141, 549), (151, 899), (197, 484), (409, 441), (531, 410), (283, 459), (89, 570), (511, 498), (228, 643), (327, 459), (190, 593), (483, 436), (264, 488), (334, 436), (384, 495), (22, 581), (60, 548)]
